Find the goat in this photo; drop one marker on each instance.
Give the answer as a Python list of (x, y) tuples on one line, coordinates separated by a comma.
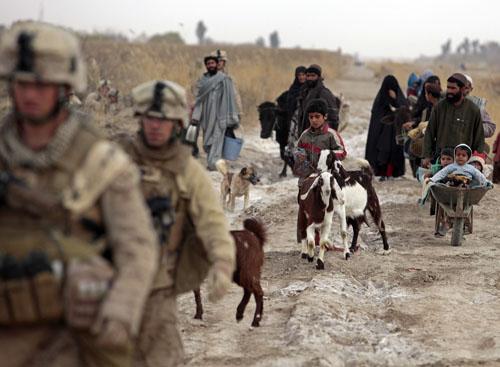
[(274, 116), (249, 260), (316, 195), (359, 195)]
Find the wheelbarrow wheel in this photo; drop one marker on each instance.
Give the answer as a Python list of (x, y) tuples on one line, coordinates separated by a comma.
[(458, 232)]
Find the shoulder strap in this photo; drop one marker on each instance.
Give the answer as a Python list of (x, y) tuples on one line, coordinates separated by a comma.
[(176, 232)]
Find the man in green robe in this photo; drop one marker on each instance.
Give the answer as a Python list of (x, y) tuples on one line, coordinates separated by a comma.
[(454, 120)]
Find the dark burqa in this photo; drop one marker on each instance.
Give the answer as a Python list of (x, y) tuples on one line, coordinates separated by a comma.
[(293, 93), (384, 155)]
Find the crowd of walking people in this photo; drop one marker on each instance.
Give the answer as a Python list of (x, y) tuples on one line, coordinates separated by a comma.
[(98, 238)]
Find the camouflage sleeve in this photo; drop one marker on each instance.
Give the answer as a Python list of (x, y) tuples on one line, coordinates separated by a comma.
[(135, 251), (208, 217)]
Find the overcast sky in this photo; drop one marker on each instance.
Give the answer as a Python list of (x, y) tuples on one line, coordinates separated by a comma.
[(372, 28)]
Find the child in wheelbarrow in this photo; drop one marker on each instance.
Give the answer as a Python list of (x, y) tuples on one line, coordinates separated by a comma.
[(460, 173), (445, 158)]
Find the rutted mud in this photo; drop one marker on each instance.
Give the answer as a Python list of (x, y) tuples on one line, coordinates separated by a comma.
[(426, 303)]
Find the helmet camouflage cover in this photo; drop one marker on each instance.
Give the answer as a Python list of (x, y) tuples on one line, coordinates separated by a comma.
[(219, 54), (104, 83), (161, 99), (36, 51)]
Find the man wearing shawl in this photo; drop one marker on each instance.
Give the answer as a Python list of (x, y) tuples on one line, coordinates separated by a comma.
[(385, 156), (215, 109)]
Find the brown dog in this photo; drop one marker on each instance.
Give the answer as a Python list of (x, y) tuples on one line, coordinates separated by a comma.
[(233, 186)]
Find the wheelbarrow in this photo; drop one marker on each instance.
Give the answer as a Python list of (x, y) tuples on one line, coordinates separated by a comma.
[(454, 205)]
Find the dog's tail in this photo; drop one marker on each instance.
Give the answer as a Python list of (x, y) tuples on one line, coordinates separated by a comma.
[(257, 228), (221, 167)]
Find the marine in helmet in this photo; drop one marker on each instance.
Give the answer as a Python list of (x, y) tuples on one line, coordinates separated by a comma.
[(75, 271), (187, 214), (98, 101), (114, 104)]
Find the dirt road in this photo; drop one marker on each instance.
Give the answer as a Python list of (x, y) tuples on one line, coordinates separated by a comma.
[(425, 304)]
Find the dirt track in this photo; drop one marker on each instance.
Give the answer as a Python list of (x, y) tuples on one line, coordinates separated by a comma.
[(426, 303)]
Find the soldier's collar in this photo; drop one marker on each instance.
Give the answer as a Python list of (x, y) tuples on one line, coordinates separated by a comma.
[(173, 156)]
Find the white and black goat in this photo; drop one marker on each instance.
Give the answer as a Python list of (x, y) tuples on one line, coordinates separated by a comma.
[(359, 195), (316, 204)]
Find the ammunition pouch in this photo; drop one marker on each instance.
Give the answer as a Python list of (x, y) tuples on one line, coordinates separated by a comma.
[(31, 294)]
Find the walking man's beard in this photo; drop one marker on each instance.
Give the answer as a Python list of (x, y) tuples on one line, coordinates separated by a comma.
[(454, 98)]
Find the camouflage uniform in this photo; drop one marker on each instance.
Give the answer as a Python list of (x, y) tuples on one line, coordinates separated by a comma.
[(65, 203), (171, 172), (114, 104), (95, 101)]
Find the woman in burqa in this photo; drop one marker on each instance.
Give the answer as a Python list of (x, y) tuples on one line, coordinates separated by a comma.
[(385, 156), (294, 90)]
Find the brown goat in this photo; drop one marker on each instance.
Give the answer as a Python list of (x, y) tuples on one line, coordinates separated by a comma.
[(249, 260)]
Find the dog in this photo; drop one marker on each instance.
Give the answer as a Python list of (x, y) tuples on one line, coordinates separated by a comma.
[(235, 185)]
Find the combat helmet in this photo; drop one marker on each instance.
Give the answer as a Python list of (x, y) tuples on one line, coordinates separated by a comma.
[(161, 99), (104, 83), (220, 54), (37, 51)]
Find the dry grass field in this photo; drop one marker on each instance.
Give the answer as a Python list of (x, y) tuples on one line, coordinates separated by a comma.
[(260, 73)]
